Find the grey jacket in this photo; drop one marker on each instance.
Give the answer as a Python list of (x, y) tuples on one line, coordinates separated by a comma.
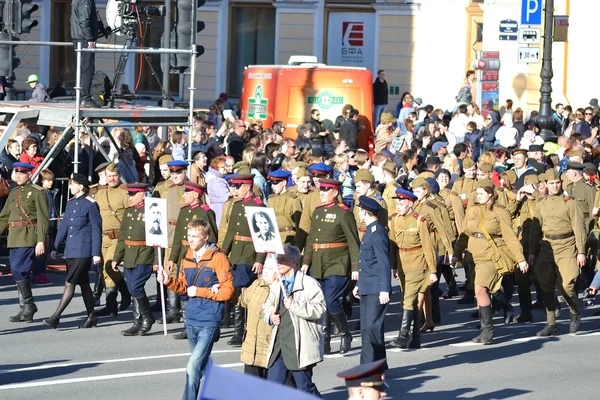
[(307, 310), (40, 94)]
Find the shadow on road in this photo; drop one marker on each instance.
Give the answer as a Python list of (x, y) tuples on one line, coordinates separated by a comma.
[(13, 373)]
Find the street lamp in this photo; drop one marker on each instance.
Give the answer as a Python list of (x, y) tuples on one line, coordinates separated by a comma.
[(545, 120)]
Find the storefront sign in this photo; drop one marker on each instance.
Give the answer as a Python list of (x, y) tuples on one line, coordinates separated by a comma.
[(257, 105), (325, 100), (351, 39)]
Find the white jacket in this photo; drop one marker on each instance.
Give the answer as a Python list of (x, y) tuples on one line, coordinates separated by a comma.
[(308, 307)]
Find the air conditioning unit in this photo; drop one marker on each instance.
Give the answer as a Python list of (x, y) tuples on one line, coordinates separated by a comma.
[(299, 60)]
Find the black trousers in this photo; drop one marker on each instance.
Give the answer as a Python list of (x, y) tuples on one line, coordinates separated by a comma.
[(372, 314), (87, 68)]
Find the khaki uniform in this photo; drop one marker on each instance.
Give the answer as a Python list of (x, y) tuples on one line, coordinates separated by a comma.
[(389, 196), (585, 194), (288, 209), (412, 255), (498, 225), (441, 233), (455, 210), (311, 202), (112, 203), (463, 187), (161, 189), (382, 217), (557, 235)]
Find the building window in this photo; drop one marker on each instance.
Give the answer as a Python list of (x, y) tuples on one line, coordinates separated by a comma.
[(62, 59), (252, 41)]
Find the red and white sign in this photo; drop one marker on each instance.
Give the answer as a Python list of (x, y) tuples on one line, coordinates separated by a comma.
[(351, 39), (353, 34)]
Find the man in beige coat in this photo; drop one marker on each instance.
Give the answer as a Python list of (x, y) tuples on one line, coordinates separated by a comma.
[(296, 319)]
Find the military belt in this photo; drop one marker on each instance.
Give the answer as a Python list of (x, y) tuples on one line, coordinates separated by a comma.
[(558, 237), (411, 249), (242, 238), (317, 246), (136, 243), (174, 223), (111, 233), (287, 228), (18, 224), (482, 236)]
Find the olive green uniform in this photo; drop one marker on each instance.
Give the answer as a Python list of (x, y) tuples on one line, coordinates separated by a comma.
[(288, 209), (131, 246), (455, 209), (224, 224), (187, 214), (26, 215), (584, 194), (174, 204), (441, 233), (161, 189)]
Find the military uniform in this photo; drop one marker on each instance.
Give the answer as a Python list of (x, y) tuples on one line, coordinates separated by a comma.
[(455, 209), (174, 205), (557, 236), (331, 253), (187, 214), (224, 224), (584, 194), (370, 377), (137, 260), (311, 202), (374, 278), (26, 215), (382, 216), (288, 209)]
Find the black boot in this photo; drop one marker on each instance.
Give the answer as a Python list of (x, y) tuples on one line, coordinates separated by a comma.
[(450, 282), (469, 297), (88, 300), (346, 337), (110, 308), (98, 288), (183, 334), (487, 326), (415, 341), (173, 313), (125, 295), (327, 333), (52, 321), (147, 317), (525, 304), (436, 315), (402, 340), (239, 315), (137, 320), (504, 303), (575, 322), (226, 321), (28, 307)]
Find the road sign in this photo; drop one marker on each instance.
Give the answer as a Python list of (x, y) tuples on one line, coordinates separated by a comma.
[(508, 37), (531, 12), (529, 55), (530, 35), (509, 26)]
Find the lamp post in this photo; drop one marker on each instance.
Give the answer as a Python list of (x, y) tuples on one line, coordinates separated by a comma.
[(545, 120)]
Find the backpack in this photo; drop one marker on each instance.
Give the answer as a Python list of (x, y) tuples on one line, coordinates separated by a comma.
[(465, 96), (101, 87)]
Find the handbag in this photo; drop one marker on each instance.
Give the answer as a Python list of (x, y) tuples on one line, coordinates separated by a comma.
[(501, 256)]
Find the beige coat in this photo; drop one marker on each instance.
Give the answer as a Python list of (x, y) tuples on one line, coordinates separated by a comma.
[(258, 332), (308, 307)]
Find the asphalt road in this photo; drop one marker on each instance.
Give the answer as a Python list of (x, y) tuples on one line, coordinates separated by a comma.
[(70, 363)]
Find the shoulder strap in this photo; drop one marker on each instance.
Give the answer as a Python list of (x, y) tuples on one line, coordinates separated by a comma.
[(483, 230), (203, 265), (110, 208)]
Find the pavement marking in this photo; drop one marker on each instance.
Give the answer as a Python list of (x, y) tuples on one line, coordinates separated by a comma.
[(64, 365), (528, 339), (465, 344), (103, 377)]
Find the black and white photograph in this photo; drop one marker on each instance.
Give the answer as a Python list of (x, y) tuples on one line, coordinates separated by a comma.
[(264, 230), (156, 222)]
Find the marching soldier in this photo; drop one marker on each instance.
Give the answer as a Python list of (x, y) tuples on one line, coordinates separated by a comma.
[(389, 192), (557, 249), (331, 253), (137, 259), (374, 284), (303, 185), (112, 201), (27, 217), (365, 186), (286, 204), (162, 187), (366, 381), (238, 246), (311, 202), (99, 279), (414, 260)]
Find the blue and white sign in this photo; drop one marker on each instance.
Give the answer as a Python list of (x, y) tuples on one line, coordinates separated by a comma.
[(509, 26), (531, 12)]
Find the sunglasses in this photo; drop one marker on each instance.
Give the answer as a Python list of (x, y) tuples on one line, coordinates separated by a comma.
[(179, 171), (235, 185), (588, 113), (326, 189)]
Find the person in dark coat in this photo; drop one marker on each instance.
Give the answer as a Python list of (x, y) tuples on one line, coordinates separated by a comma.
[(491, 126), (349, 130), (82, 235)]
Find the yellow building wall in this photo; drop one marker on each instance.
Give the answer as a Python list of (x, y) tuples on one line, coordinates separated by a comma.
[(295, 35)]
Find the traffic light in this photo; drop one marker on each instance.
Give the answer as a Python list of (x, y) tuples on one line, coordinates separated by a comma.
[(5, 56), (183, 28), (22, 13)]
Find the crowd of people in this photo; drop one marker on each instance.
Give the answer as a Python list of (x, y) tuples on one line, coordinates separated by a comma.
[(441, 189)]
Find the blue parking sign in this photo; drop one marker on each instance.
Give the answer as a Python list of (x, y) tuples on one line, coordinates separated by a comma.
[(531, 12)]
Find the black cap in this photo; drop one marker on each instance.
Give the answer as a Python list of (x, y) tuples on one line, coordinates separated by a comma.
[(575, 165), (81, 179), (536, 147), (102, 166), (589, 165), (369, 204), (366, 375)]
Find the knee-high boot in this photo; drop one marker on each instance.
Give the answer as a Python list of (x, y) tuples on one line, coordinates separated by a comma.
[(26, 303), (525, 304), (239, 316), (146, 315), (327, 332), (137, 319), (487, 326), (504, 302), (415, 340), (111, 307), (346, 337), (402, 340), (173, 312), (98, 288), (450, 282)]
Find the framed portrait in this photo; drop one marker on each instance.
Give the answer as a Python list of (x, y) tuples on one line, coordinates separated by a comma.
[(155, 211), (264, 230)]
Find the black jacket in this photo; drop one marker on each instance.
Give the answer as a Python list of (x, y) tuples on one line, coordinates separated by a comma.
[(84, 25), (235, 145), (349, 133), (380, 92)]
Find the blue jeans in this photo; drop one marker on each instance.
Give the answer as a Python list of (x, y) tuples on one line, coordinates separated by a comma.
[(334, 287), (377, 110), (201, 340)]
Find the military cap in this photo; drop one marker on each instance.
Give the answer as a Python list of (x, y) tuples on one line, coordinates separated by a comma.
[(388, 154), (297, 164), (435, 188), (536, 147), (190, 186), (468, 163), (241, 178), (575, 165), (23, 167), (390, 166), (112, 167), (165, 159), (542, 177), (530, 179), (520, 151), (576, 153), (405, 194), (240, 164), (419, 181), (279, 175), (102, 167), (302, 172), (512, 176), (369, 204), (589, 165), (319, 169), (229, 176), (318, 152), (552, 175), (137, 187), (366, 375), (484, 183), (177, 165), (486, 167), (364, 175), (80, 179), (329, 183)]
